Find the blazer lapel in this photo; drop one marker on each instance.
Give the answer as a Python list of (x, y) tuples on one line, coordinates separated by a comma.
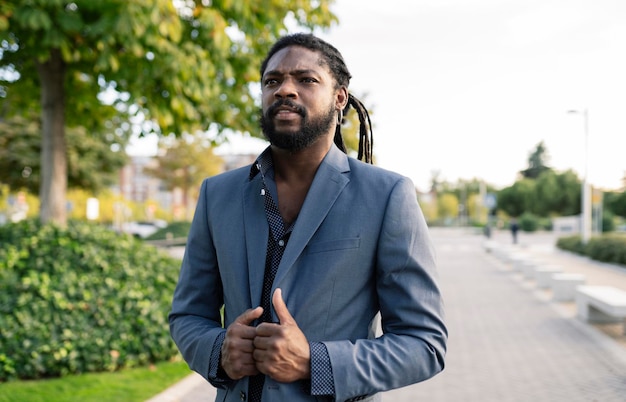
[(256, 232), (328, 183)]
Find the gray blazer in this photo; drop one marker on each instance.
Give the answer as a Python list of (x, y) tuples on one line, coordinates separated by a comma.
[(360, 246)]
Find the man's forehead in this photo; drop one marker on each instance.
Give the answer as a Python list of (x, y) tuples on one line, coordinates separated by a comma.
[(293, 58)]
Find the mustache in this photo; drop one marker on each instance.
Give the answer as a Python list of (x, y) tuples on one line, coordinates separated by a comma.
[(272, 110)]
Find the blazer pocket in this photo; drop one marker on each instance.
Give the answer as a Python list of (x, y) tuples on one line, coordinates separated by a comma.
[(333, 245)]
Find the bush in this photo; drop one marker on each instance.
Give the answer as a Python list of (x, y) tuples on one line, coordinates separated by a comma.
[(608, 248), (571, 243), (528, 222), (175, 229), (608, 222), (81, 299)]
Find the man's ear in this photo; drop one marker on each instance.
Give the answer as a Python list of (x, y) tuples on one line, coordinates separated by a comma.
[(341, 99)]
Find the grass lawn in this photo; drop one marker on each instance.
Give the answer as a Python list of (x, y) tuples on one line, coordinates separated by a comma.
[(132, 385)]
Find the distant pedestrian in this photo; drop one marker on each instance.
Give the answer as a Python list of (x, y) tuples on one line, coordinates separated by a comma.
[(514, 228), (487, 231)]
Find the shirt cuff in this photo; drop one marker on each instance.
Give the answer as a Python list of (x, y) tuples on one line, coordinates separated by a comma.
[(216, 374), (322, 382)]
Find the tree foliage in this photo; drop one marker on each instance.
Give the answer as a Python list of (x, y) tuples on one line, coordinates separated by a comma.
[(537, 162), (551, 194), (184, 163), (616, 202), (541, 191), (556, 194), (518, 198), (532, 200), (447, 206), (176, 66), (92, 164)]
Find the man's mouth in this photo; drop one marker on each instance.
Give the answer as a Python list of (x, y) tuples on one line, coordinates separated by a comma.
[(285, 112), (285, 108)]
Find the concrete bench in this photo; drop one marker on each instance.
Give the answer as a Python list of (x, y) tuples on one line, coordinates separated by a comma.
[(489, 245), (499, 252), (507, 255), (601, 304), (519, 261), (564, 286), (514, 260), (543, 273), (528, 268)]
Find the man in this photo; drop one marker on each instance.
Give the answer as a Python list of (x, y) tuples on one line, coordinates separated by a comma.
[(514, 229), (303, 250)]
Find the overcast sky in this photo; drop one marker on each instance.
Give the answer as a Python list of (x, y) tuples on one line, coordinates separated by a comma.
[(468, 88)]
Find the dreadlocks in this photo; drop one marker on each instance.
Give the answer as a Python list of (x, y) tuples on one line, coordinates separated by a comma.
[(334, 61)]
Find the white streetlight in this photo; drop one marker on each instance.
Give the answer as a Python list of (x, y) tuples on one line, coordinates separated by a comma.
[(585, 216)]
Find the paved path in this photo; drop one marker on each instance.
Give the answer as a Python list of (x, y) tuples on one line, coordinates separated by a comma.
[(508, 340)]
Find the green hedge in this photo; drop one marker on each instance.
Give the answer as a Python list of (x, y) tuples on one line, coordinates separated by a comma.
[(174, 229), (529, 222), (571, 243), (81, 299), (609, 247)]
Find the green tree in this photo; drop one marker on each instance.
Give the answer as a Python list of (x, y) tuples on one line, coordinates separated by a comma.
[(428, 203), (184, 163), (175, 69), (93, 159), (550, 194), (557, 194), (547, 194), (569, 200), (447, 206), (537, 162), (518, 198), (616, 203)]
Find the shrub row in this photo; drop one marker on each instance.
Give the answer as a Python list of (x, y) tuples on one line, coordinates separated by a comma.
[(174, 229), (81, 299), (609, 247)]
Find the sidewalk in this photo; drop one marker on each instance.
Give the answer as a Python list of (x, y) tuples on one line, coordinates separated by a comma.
[(508, 340)]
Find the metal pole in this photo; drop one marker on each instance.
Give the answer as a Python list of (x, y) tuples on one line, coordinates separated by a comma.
[(585, 193), (586, 190)]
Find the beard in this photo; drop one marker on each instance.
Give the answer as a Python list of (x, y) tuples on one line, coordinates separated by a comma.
[(310, 132)]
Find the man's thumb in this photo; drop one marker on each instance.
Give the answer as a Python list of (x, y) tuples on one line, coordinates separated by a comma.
[(284, 316)]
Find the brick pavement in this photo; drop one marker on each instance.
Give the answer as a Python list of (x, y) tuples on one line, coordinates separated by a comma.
[(508, 340)]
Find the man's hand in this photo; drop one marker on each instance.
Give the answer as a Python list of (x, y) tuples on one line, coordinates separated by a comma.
[(237, 349), (281, 351)]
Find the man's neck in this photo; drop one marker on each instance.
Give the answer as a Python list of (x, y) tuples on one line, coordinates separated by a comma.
[(294, 174), (302, 165)]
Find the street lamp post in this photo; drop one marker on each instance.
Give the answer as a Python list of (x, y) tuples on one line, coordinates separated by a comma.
[(585, 215)]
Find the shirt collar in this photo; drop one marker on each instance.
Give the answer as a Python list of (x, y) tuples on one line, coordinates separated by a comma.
[(262, 165)]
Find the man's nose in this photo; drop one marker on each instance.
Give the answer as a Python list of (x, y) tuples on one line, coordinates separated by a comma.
[(287, 89)]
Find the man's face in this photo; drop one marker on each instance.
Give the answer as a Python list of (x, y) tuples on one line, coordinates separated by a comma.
[(298, 99)]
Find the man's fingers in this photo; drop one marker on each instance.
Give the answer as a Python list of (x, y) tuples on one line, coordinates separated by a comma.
[(237, 349), (249, 315), (284, 316)]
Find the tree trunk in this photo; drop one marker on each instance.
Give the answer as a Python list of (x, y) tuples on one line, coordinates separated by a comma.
[(53, 189)]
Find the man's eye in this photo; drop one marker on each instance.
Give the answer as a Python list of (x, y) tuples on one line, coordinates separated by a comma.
[(309, 80), (270, 81)]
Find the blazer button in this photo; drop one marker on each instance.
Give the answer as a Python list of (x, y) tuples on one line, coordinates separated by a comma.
[(242, 396)]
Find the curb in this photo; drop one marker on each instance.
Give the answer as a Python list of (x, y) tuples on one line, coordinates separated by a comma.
[(178, 391)]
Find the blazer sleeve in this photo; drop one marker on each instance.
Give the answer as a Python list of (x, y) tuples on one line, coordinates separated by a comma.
[(413, 344), (195, 319)]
